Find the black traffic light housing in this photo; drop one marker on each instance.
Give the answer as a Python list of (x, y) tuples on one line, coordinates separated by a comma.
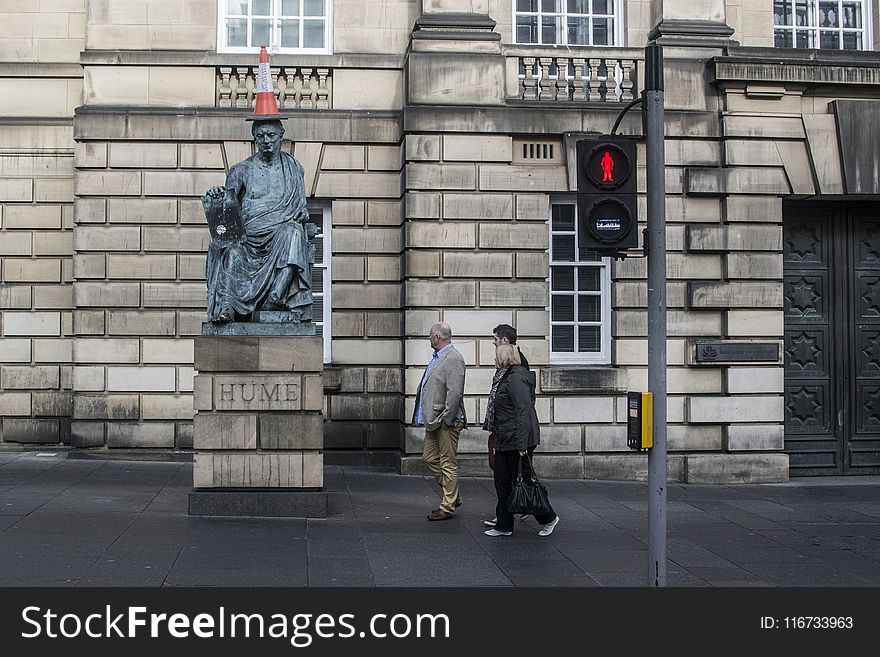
[(607, 204)]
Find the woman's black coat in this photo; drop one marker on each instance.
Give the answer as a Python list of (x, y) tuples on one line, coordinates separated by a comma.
[(516, 423)]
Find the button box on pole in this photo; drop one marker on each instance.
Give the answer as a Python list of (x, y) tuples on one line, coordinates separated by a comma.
[(640, 420)]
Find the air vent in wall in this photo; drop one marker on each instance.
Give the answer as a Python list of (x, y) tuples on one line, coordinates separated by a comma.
[(537, 151)]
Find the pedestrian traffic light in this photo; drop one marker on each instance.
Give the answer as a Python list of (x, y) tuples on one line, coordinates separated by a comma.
[(607, 206)]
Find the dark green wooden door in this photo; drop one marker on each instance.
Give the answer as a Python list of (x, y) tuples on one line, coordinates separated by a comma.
[(832, 339)]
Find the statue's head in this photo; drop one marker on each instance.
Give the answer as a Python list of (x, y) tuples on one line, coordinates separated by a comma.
[(268, 135)]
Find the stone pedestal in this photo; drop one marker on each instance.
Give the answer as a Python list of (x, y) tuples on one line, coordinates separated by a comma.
[(258, 432)]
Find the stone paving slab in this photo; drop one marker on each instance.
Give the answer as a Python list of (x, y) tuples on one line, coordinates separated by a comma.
[(108, 523)]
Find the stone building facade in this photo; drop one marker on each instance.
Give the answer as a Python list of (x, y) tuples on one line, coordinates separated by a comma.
[(438, 138)]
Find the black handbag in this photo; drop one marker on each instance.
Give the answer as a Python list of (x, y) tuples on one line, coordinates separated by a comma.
[(529, 497)]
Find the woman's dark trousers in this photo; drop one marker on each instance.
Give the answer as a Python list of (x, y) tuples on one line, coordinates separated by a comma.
[(506, 471)]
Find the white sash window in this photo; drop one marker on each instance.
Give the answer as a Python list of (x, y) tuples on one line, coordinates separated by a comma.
[(283, 26), (580, 294), (822, 24), (568, 22)]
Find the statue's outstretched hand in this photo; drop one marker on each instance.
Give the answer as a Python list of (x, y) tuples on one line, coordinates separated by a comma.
[(216, 192)]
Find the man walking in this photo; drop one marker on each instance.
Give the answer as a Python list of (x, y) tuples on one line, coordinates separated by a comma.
[(440, 409), (506, 334)]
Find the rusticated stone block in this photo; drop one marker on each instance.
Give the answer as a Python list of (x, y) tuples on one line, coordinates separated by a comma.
[(441, 293), (477, 148), (141, 379), (714, 410), (385, 379), (105, 407), (139, 322), (583, 409), (313, 392), (532, 265), (260, 470), (174, 295), (313, 470), (365, 407), (758, 180), (254, 354), (203, 392), (103, 295), (516, 236), (154, 435), (423, 147), (184, 436), (106, 350), (143, 156), (100, 238), (755, 323), (477, 206), (291, 431), (15, 350), (422, 264), (735, 295), (422, 205), (26, 430), (734, 238), (224, 431), (754, 438), (629, 467), (440, 176), (593, 380), (167, 407), (753, 209), (448, 235), (506, 293), (736, 468), (690, 438), (384, 213), (478, 265), (87, 434), (32, 216), (30, 377), (52, 404)]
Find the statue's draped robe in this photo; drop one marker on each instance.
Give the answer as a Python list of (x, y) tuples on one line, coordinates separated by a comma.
[(273, 209)]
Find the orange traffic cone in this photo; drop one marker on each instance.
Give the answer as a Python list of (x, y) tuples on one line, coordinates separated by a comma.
[(266, 107)]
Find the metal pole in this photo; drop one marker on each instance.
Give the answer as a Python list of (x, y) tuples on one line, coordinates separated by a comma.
[(656, 237)]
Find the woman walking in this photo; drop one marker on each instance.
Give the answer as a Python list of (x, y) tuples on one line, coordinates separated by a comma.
[(515, 425)]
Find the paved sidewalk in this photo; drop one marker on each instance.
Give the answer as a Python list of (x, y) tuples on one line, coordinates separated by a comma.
[(74, 522)]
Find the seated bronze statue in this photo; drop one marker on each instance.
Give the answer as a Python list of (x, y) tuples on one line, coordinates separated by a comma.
[(260, 255)]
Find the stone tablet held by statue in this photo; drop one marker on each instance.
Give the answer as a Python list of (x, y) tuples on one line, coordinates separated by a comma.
[(224, 217)]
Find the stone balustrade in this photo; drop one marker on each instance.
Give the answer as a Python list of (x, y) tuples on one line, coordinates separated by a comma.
[(296, 87), (578, 75)]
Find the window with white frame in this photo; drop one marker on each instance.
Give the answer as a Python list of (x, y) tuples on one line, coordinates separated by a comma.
[(580, 293), (300, 26), (567, 22), (320, 216), (827, 25)]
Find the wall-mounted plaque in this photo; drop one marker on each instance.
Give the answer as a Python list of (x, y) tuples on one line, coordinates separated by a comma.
[(747, 352)]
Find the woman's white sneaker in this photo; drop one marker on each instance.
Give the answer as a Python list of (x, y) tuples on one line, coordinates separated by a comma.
[(547, 529), (491, 523), (495, 532)]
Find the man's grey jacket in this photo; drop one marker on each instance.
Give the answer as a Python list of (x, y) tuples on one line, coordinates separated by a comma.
[(441, 393)]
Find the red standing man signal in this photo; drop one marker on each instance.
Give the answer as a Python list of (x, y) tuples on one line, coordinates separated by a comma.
[(607, 164)]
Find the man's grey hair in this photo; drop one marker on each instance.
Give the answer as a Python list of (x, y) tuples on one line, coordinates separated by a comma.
[(443, 330)]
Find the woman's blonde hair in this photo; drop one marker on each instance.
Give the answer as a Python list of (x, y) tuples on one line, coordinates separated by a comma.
[(506, 355)]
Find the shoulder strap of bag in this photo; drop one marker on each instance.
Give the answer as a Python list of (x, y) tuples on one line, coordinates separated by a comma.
[(532, 464)]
